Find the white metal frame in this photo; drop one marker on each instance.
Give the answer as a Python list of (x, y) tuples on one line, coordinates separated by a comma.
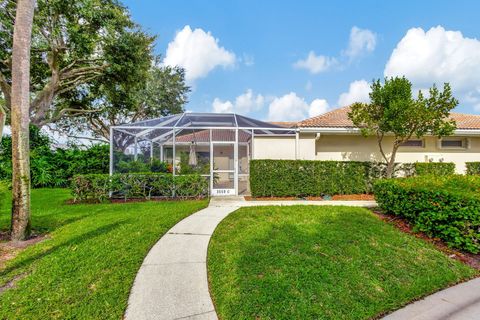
[(174, 130)]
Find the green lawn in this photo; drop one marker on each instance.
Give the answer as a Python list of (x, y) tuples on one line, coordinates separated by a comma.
[(86, 268), (320, 263)]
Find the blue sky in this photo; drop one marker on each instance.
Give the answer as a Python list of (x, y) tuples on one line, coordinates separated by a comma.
[(251, 57)]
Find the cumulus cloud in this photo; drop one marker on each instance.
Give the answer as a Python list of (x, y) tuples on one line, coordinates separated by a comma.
[(222, 106), (361, 41), (315, 64), (318, 106), (291, 107), (357, 92), (438, 56), (198, 52), (244, 103)]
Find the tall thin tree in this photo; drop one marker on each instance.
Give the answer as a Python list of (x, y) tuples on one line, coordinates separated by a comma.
[(20, 121)]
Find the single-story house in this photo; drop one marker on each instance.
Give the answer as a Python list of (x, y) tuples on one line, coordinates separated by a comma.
[(220, 146)]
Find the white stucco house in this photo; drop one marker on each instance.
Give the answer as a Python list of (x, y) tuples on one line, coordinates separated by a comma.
[(223, 144)]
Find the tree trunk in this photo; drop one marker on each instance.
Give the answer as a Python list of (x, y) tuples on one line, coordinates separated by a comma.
[(391, 162), (20, 99)]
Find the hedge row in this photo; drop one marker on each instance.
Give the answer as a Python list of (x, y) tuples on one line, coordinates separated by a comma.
[(434, 168), (307, 178), (443, 207), (99, 187), (473, 168)]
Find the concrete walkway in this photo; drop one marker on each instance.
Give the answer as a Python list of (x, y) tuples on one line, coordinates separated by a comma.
[(172, 281), (461, 302)]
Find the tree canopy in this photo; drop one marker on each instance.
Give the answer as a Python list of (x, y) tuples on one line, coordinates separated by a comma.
[(77, 45), (393, 110)]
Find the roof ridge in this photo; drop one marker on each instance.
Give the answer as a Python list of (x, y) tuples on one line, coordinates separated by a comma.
[(325, 114)]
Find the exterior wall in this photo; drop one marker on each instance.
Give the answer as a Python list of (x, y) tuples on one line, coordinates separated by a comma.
[(282, 148), (358, 148)]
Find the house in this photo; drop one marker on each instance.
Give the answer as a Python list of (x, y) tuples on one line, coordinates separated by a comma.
[(332, 136), (220, 146)]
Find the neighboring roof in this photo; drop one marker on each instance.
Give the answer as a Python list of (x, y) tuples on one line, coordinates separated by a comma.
[(217, 135), (284, 124), (335, 118), (338, 118)]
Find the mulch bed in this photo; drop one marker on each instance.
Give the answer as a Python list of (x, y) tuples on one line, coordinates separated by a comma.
[(133, 200), (10, 249), (340, 197), (470, 259)]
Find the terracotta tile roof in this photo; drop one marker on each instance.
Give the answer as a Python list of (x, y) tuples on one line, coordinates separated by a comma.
[(338, 118), (335, 118), (285, 124), (217, 135)]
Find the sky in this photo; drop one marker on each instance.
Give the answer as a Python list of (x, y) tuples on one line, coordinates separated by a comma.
[(290, 60)]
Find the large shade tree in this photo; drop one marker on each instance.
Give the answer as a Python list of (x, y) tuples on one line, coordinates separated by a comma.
[(393, 111), (162, 92), (77, 45), (20, 102)]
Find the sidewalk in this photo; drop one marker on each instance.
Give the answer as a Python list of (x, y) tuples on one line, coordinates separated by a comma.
[(461, 302), (172, 282)]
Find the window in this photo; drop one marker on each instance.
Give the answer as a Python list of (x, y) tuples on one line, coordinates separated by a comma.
[(413, 143), (453, 143)]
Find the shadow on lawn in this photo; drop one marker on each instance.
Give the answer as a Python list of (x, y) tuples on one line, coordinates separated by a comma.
[(16, 265)]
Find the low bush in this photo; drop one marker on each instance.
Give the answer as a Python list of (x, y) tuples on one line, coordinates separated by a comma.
[(445, 207), (434, 168), (98, 187), (4, 190), (54, 167), (473, 168), (301, 178)]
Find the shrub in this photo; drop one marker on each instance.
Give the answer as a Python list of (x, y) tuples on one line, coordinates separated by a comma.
[(446, 207), (97, 187), (308, 178), (434, 168), (54, 167), (4, 190), (473, 168)]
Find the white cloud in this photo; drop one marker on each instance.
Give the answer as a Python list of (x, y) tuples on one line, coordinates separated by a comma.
[(248, 60), (357, 92), (315, 64), (244, 103), (197, 52), (222, 106), (437, 56), (361, 41), (318, 106), (291, 107)]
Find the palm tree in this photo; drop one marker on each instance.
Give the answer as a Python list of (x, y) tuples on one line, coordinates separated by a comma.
[(22, 34)]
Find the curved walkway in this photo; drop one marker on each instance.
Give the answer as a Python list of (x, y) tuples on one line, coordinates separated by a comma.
[(172, 281)]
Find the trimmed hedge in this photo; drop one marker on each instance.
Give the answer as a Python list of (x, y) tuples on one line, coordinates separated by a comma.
[(443, 207), (434, 168), (473, 168), (97, 187), (300, 178)]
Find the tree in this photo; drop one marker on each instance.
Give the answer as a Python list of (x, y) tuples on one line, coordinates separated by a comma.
[(394, 111), (76, 45), (162, 92), (20, 104)]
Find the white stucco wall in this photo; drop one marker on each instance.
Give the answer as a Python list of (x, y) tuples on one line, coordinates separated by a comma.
[(282, 148), (356, 147)]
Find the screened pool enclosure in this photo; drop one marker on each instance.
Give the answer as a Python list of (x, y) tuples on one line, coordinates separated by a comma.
[(217, 146)]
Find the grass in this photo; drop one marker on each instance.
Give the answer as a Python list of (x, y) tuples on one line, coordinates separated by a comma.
[(87, 266), (305, 262)]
